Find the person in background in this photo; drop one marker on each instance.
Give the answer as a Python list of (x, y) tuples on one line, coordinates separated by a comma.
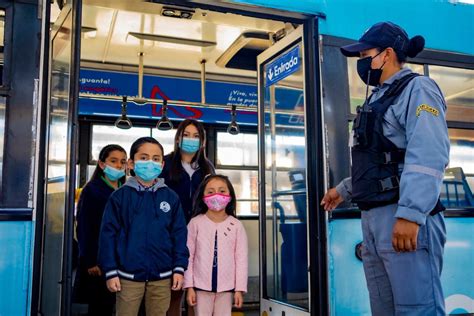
[(109, 175), (217, 243), (184, 170), (142, 248), (400, 149)]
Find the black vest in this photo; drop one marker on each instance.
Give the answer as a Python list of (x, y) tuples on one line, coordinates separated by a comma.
[(375, 159)]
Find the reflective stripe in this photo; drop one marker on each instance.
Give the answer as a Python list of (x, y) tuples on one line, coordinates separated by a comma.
[(111, 273), (166, 274), (178, 269), (126, 275), (425, 170)]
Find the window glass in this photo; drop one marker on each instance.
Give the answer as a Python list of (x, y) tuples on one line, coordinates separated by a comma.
[(458, 88), (245, 184), (166, 139), (2, 135), (462, 153), (2, 43), (237, 150), (357, 88), (103, 135)]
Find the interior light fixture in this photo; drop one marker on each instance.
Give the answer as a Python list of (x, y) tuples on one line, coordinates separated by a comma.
[(123, 122), (172, 39), (177, 13)]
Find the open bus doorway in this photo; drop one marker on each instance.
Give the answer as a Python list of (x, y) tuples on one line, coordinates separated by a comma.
[(202, 64)]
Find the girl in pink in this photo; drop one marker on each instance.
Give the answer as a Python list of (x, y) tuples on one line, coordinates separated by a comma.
[(218, 251)]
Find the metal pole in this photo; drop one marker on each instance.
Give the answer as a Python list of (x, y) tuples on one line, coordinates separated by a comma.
[(203, 81), (140, 75)]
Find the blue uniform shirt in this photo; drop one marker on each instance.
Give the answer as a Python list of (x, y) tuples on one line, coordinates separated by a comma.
[(417, 123)]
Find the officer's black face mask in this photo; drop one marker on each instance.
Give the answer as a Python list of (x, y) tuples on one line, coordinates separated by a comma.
[(366, 73)]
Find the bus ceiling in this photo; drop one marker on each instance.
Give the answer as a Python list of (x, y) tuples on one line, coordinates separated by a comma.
[(174, 37)]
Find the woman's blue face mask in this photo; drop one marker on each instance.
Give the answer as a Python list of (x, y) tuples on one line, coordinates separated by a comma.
[(147, 170), (190, 145)]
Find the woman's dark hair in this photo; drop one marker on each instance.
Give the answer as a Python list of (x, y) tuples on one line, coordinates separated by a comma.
[(103, 155), (415, 45), (176, 167), (200, 207)]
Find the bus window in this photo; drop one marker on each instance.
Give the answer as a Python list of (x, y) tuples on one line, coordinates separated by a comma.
[(103, 135), (357, 88), (166, 139), (458, 87), (2, 135), (462, 151), (237, 158), (3, 99)]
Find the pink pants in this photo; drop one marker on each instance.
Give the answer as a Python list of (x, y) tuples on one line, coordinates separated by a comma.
[(213, 304)]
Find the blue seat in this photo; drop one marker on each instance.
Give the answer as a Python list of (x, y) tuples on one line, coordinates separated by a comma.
[(455, 192)]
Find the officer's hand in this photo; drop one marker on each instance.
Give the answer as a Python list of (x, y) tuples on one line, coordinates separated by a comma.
[(331, 199), (113, 285), (177, 282), (404, 236)]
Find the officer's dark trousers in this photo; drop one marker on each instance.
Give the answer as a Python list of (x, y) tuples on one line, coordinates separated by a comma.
[(405, 283)]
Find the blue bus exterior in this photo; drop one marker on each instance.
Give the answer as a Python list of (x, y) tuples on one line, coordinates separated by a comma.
[(446, 25)]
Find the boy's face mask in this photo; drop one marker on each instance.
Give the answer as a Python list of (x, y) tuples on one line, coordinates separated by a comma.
[(147, 170), (112, 173), (217, 201)]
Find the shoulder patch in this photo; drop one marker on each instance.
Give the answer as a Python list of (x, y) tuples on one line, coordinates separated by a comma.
[(426, 108), (165, 206)]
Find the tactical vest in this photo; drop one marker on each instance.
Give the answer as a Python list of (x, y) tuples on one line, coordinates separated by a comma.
[(375, 159)]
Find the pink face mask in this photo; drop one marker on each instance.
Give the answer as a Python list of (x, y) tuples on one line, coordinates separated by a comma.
[(217, 201)]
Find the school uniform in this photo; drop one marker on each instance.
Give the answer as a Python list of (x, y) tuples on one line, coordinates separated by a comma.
[(92, 289), (143, 242)]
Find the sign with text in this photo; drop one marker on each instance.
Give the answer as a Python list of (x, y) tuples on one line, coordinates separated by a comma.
[(283, 66)]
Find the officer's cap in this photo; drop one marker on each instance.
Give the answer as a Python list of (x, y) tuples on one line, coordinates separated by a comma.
[(380, 35)]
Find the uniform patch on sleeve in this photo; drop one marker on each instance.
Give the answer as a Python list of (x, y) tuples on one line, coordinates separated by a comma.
[(427, 108)]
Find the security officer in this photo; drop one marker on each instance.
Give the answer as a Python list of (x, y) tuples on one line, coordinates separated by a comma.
[(400, 148)]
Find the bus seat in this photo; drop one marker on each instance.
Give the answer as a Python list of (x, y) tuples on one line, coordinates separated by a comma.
[(455, 191)]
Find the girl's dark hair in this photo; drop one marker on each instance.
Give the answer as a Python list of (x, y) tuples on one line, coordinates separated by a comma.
[(103, 155), (200, 207), (176, 167), (138, 143)]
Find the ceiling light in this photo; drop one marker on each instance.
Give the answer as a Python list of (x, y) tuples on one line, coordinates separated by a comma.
[(171, 39), (177, 12)]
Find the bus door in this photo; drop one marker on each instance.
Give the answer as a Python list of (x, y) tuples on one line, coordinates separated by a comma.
[(55, 286), (291, 244)]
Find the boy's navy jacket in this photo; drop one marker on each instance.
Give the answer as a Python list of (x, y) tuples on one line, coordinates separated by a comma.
[(90, 210), (186, 186), (143, 233)]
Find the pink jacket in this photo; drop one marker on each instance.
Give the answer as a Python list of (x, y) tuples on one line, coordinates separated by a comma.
[(232, 254)]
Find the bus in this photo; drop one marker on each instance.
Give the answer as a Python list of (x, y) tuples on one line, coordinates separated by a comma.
[(277, 99)]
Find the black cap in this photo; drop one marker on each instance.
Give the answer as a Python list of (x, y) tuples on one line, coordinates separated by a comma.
[(380, 35)]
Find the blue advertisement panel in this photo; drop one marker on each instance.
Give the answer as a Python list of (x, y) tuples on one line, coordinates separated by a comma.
[(348, 290), (179, 89)]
